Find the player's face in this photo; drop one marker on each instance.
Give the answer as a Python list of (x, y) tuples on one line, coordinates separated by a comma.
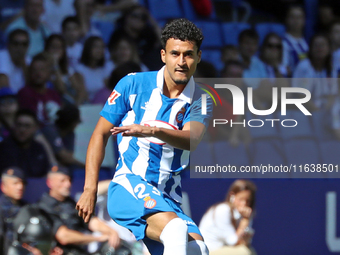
[(181, 59), (13, 187)]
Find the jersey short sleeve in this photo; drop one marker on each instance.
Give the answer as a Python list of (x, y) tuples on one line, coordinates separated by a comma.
[(195, 112), (117, 105)]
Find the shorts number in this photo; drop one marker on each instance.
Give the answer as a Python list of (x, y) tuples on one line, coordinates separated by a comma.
[(140, 188)]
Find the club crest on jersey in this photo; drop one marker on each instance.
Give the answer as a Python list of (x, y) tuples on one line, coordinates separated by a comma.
[(113, 97), (150, 203), (180, 115)]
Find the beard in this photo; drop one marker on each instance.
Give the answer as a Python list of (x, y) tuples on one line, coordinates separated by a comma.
[(181, 82)]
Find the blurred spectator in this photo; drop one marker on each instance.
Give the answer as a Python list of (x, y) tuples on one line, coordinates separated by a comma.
[(232, 69), (14, 59), (28, 232), (30, 22), (93, 66), (271, 55), (325, 18), (314, 70), (229, 52), (128, 239), (205, 69), (71, 34), (12, 187), (138, 25), (10, 10), (123, 50), (226, 226), (248, 41), (110, 10), (58, 203), (123, 69), (85, 10), (8, 108), (334, 35), (21, 150), (61, 137), (55, 12), (232, 73), (294, 44), (4, 82), (36, 96), (67, 82)]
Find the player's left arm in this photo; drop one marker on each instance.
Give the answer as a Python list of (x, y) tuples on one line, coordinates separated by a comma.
[(186, 139)]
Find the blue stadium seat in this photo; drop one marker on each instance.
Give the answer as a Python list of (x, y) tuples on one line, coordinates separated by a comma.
[(267, 131), (142, 2), (35, 187), (190, 13), (106, 29), (165, 9), (300, 152), (203, 155), (226, 154), (302, 130), (330, 152), (212, 34), (231, 31), (267, 151), (213, 57), (264, 28), (321, 125)]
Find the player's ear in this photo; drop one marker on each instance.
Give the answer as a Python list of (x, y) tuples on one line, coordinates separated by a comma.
[(199, 56), (163, 55)]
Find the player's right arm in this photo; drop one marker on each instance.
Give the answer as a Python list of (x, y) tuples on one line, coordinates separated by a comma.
[(94, 158)]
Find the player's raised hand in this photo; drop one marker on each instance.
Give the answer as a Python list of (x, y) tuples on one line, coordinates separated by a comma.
[(86, 204), (132, 130)]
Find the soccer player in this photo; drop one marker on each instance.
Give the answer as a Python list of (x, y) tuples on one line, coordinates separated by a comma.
[(145, 193)]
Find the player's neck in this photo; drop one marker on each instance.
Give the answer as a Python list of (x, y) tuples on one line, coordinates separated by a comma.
[(170, 88)]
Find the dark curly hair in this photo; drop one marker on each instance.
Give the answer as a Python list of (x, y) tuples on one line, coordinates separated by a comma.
[(183, 30)]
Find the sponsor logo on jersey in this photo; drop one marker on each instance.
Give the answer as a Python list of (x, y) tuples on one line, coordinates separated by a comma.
[(113, 97)]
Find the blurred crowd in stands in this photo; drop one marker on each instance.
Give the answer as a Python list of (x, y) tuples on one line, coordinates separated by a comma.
[(57, 55)]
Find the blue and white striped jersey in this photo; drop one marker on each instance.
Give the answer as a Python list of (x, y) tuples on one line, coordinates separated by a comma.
[(137, 98)]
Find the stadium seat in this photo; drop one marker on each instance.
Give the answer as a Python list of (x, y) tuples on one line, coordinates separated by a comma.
[(302, 130), (267, 151), (190, 13), (213, 57), (212, 34), (142, 2), (35, 187), (226, 154), (231, 31), (330, 152), (165, 9), (203, 155), (106, 29), (267, 131), (301, 152), (264, 28), (321, 125)]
